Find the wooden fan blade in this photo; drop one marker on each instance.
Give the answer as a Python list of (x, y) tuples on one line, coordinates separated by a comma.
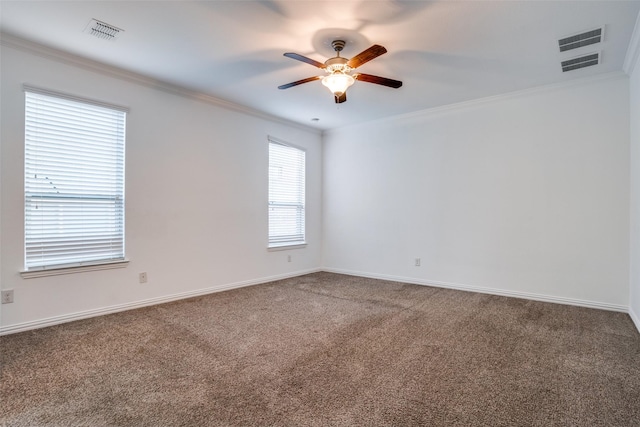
[(366, 56), (304, 59), (378, 80), (340, 99), (299, 82)]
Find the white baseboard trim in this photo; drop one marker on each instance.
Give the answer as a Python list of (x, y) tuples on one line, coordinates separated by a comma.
[(484, 290), (635, 318), (56, 320)]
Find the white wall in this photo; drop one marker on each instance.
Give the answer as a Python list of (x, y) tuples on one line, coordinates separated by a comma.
[(634, 295), (196, 197), (524, 195)]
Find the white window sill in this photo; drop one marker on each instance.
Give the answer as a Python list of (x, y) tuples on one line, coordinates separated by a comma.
[(55, 271), (287, 246)]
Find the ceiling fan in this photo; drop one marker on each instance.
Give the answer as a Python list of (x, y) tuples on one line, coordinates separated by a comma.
[(338, 69)]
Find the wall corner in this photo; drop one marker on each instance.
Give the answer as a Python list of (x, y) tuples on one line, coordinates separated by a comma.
[(633, 51)]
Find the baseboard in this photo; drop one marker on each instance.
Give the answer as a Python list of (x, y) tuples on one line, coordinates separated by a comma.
[(635, 318), (484, 290), (56, 320)]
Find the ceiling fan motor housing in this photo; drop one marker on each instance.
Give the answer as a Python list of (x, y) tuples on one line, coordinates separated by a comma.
[(337, 64)]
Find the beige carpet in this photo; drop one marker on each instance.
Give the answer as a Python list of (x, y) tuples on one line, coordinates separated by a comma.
[(328, 350)]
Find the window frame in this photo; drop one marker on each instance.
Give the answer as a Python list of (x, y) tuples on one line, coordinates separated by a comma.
[(113, 260), (273, 245)]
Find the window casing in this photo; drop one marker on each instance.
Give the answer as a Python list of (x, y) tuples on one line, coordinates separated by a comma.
[(74, 181), (286, 194)]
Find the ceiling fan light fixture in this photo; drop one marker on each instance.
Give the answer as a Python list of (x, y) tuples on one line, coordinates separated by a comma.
[(338, 69), (338, 83)]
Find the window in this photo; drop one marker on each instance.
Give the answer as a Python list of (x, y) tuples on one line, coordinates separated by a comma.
[(286, 194), (74, 181)]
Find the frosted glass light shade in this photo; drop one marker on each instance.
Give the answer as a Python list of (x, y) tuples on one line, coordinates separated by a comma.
[(338, 83)]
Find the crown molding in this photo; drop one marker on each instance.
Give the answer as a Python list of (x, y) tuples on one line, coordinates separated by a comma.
[(48, 52), (633, 51), (460, 106)]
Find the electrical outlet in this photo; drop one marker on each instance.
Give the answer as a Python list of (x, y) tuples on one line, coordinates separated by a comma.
[(288, 258), (142, 277), (417, 262), (7, 296)]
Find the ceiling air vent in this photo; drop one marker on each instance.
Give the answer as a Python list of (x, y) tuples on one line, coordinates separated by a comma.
[(102, 30), (580, 40), (581, 62)]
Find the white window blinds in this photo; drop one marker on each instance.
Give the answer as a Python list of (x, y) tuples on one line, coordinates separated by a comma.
[(74, 182), (286, 194)]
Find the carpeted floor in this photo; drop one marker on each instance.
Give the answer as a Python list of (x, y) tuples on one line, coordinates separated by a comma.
[(328, 350)]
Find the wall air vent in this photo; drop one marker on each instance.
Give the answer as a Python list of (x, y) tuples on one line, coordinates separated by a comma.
[(581, 62), (102, 30), (580, 40)]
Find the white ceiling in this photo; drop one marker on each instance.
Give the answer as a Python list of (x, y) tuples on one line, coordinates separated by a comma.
[(445, 52)]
